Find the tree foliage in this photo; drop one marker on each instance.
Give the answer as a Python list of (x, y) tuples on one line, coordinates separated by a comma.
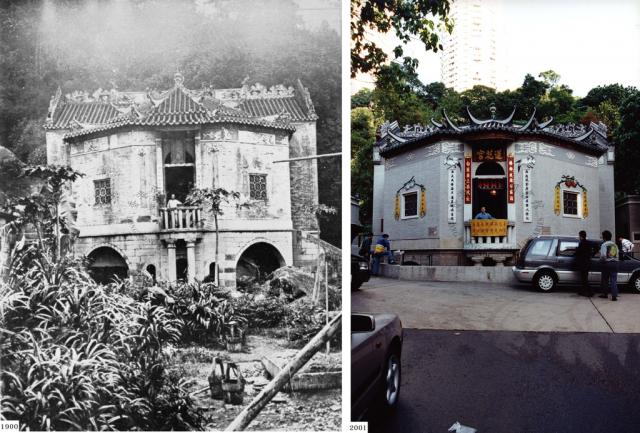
[(406, 19)]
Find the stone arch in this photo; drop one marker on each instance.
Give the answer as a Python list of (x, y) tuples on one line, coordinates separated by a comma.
[(107, 262), (256, 261)]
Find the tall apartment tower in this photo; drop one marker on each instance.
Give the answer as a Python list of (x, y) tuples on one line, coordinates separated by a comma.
[(470, 54)]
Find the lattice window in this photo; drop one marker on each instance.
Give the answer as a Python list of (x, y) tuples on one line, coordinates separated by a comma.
[(570, 202), (103, 191), (258, 186)]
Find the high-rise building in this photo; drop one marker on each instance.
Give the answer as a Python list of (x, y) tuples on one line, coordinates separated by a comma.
[(470, 54)]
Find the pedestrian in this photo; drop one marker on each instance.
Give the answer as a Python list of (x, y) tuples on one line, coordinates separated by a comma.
[(625, 245), (609, 259), (365, 248), (381, 249), (583, 261), (483, 214)]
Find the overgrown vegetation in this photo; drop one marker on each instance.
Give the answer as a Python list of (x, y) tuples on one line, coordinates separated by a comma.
[(77, 355)]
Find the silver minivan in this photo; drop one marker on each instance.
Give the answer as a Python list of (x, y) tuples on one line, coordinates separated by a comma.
[(546, 261)]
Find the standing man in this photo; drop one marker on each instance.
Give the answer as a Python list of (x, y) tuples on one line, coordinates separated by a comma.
[(483, 214), (172, 204), (609, 258), (583, 260), (365, 248)]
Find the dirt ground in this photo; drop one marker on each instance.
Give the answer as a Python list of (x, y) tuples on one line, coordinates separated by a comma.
[(298, 411)]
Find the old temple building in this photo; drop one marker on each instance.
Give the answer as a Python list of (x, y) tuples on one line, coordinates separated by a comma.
[(430, 183), (137, 150)]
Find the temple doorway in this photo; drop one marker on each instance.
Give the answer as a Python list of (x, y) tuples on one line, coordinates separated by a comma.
[(490, 190)]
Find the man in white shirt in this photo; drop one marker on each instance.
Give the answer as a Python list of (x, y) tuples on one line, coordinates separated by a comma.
[(625, 244), (172, 204)]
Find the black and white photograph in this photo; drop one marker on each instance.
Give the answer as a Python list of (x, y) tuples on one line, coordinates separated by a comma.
[(170, 215)]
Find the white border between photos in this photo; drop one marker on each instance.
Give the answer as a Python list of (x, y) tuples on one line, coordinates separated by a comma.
[(346, 216)]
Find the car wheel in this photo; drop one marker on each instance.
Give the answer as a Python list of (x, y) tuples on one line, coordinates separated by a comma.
[(355, 284), (392, 376), (545, 281), (634, 282)]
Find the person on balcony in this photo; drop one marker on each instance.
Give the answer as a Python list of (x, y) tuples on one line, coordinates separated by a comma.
[(173, 204), (483, 214)]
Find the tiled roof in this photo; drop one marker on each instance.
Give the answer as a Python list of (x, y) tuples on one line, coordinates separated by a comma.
[(394, 140), (85, 114), (90, 113), (177, 108), (275, 106)]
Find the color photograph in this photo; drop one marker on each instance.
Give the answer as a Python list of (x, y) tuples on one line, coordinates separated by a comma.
[(495, 221)]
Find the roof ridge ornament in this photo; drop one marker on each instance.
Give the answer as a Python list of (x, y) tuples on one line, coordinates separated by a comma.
[(178, 79), (449, 122)]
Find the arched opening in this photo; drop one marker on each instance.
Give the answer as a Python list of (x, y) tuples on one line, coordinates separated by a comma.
[(106, 264), (151, 269), (490, 168), (256, 263)]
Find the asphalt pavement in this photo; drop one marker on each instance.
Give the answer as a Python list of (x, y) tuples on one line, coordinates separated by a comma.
[(505, 359), (496, 307), (516, 382)]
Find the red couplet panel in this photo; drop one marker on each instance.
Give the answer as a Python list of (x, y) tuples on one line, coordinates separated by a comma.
[(510, 180)]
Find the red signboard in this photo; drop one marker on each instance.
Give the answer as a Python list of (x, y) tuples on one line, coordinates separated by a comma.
[(467, 179), (488, 154), (510, 180)]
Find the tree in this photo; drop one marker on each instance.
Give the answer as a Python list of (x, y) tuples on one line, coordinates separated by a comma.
[(397, 96), (407, 19), (550, 78), (363, 138), (627, 139), (213, 198), (362, 98), (47, 204), (614, 93)]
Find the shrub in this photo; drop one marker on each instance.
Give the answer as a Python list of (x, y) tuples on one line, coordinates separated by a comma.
[(81, 356)]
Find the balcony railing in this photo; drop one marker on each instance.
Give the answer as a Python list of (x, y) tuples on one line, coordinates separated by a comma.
[(504, 240), (181, 218)]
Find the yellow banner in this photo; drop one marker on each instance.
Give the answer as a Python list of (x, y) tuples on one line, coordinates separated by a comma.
[(488, 227)]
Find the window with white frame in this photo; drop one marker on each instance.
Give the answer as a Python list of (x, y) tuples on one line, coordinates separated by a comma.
[(102, 189), (410, 204), (258, 186), (571, 204)]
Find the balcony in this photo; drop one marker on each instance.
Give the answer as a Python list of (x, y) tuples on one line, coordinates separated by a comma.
[(182, 218), (499, 235)]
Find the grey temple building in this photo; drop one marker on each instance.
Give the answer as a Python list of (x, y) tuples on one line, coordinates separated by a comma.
[(533, 178)]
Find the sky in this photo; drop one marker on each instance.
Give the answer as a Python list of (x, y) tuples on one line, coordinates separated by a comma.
[(587, 42)]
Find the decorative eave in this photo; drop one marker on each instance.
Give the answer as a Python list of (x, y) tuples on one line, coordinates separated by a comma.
[(591, 140)]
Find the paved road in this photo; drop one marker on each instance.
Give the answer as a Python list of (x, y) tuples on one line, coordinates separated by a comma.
[(496, 307), (517, 382)]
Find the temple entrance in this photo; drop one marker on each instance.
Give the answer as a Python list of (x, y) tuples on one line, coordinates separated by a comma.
[(107, 264), (490, 189), (492, 194), (256, 263), (182, 263)]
